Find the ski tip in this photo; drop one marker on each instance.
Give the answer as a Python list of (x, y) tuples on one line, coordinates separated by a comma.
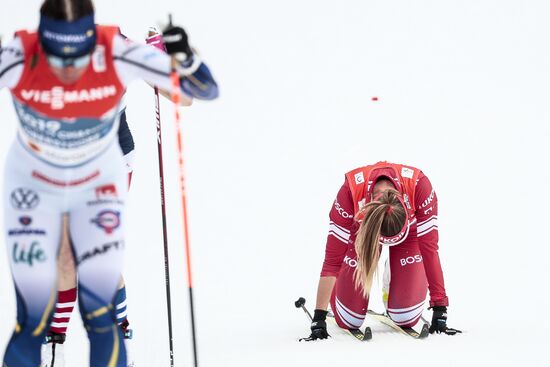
[(300, 302)]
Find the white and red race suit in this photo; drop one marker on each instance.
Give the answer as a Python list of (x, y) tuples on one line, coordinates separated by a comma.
[(413, 266), (66, 160)]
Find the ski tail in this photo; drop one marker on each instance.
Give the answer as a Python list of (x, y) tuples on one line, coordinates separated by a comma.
[(385, 319)]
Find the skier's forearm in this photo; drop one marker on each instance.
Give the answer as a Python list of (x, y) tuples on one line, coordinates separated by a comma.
[(324, 291), (200, 84)]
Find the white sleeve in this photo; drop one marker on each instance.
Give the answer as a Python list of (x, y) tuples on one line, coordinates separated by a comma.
[(12, 63), (140, 61)]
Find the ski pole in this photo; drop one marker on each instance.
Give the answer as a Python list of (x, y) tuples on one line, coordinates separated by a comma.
[(157, 42), (164, 230), (176, 99), (301, 303)]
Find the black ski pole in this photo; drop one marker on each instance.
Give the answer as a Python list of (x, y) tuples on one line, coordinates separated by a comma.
[(301, 303), (164, 230), (153, 32)]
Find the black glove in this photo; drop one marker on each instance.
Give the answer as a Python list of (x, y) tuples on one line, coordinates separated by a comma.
[(319, 325), (439, 321), (177, 43)]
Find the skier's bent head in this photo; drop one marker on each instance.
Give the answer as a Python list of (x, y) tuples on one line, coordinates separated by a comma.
[(384, 221), (68, 36)]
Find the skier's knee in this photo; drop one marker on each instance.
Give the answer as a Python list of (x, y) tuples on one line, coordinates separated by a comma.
[(406, 316)]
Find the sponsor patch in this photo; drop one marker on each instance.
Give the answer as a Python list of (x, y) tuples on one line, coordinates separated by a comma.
[(29, 255), (103, 249), (407, 172), (106, 192), (24, 199), (26, 231), (411, 260), (341, 210), (58, 97), (359, 178), (108, 220), (56, 182), (25, 220), (406, 201), (98, 59)]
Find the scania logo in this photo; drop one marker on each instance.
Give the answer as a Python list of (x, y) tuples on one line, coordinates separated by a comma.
[(24, 199)]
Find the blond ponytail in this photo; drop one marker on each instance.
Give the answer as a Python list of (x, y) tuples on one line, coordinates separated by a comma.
[(383, 216)]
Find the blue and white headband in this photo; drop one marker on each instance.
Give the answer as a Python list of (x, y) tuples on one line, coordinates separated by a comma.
[(67, 39)]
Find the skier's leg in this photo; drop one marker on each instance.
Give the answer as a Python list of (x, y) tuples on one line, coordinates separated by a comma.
[(53, 348), (406, 286), (32, 227), (97, 232), (66, 285), (347, 302)]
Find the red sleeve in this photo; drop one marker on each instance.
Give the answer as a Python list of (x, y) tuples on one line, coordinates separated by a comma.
[(339, 233), (428, 237)]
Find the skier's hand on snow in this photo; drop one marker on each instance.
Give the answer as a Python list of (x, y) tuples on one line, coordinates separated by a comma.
[(319, 325), (439, 322)]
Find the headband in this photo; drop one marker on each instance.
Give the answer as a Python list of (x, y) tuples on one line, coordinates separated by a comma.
[(67, 39)]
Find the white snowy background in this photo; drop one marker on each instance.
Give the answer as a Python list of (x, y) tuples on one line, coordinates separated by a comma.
[(464, 92)]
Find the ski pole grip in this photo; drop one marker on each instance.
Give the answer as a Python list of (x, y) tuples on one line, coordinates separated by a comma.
[(155, 40)]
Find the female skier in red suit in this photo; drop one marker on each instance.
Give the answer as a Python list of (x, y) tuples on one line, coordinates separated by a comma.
[(378, 205)]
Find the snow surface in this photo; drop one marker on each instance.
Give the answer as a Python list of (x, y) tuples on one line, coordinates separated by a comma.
[(463, 89)]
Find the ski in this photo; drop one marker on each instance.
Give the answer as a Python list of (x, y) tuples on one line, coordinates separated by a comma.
[(356, 333), (385, 319)]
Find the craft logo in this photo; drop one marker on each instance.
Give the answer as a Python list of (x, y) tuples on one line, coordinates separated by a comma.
[(22, 255), (24, 199), (108, 220), (99, 251)]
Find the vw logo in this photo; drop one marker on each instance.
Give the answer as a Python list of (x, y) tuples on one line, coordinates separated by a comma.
[(24, 199)]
